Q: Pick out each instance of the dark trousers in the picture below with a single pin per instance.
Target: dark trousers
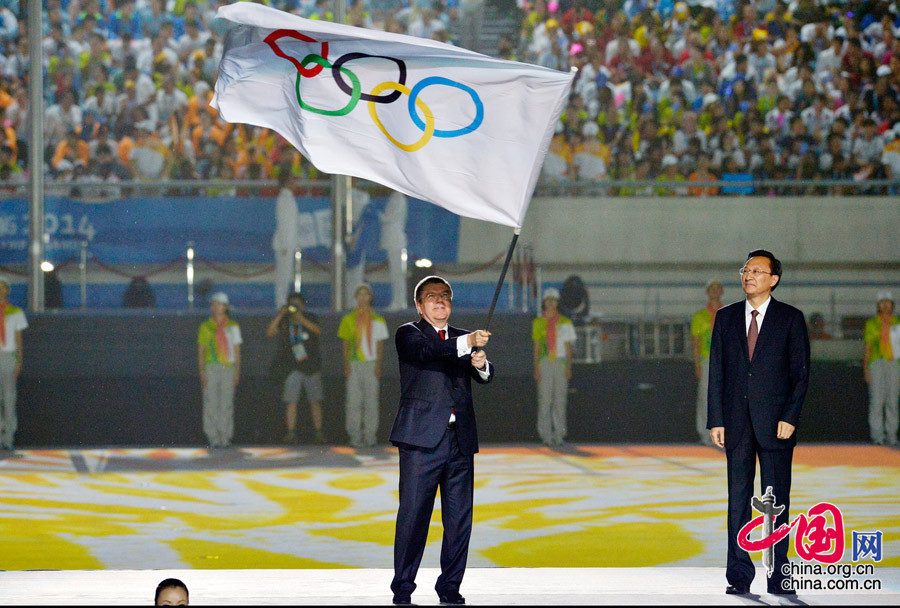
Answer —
(775, 471)
(422, 472)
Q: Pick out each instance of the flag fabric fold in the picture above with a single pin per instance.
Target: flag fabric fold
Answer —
(450, 126)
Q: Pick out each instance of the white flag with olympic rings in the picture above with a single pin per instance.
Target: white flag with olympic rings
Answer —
(450, 126)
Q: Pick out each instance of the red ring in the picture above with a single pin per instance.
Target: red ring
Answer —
(307, 73)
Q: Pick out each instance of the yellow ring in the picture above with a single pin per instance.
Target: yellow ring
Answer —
(429, 117)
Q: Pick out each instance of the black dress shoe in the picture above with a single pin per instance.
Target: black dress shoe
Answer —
(402, 600)
(782, 591)
(737, 590)
(452, 598)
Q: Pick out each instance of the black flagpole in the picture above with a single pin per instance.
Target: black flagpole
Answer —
(509, 255)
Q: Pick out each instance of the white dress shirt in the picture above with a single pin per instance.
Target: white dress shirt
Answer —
(759, 318)
(463, 349)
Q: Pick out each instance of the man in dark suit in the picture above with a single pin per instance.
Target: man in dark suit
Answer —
(435, 433)
(758, 376)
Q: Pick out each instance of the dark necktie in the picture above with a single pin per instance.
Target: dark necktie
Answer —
(753, 334)
(443, 334)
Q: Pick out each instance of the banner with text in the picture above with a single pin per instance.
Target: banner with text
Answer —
(223, 229)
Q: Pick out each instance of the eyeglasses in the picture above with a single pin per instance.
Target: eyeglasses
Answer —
(434, 297)
(754, 272)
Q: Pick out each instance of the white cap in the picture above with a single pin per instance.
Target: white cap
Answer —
(808, 32)
(883, 70)
(550, 292)
(885, 295)
(146, 125)
(365, 286)
(710, 98)
(590, 129)
(669, 159)
(219, 296)
(65, 165)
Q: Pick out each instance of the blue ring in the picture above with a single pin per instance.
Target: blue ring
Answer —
(413, 111)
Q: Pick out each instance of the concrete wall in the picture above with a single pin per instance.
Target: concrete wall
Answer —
(662, 230)
(651, 257)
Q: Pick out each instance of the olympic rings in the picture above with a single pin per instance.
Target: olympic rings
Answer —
(277, 34)
(394, 96)
(354, 94)
(354, 90)
(429, 117)
(414, 98)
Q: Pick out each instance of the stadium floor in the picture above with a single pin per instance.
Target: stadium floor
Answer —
(271, 509)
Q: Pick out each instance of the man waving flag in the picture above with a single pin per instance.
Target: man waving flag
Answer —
(459, 129)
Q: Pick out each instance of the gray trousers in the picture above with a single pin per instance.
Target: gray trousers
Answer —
(8, 420)
(362, 403)
(884, 393)
(702, 390)
(218, 404)
(552, 396)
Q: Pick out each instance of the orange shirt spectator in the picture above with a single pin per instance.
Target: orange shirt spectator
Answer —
(73, 149)
(703, 174)
(124, 151)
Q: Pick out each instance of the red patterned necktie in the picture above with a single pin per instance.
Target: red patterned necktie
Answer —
(753, 334)
(443, 334)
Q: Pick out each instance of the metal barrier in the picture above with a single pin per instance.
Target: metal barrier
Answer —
(632, 339)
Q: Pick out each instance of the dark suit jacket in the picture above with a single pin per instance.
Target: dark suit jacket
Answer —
(433, 381)
(759, 393)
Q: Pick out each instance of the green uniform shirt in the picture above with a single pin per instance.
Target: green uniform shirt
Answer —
(872, 336)
(701, 327)
(364, 349)
(565, 333)
(206, 336)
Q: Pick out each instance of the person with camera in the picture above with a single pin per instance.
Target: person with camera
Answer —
(297, 365)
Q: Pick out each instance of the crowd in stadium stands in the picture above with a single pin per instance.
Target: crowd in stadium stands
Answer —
(675, 93)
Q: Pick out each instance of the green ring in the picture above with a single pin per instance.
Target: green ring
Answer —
(354, 96)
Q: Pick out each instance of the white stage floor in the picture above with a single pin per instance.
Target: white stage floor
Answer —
(482, 586)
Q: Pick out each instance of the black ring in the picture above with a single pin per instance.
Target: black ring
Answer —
(339, 78)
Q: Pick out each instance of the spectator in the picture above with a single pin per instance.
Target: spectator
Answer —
(12, 323)
(71, 149)
(882, 370)
(553, 336)
(297, 365)
(171, 592)
(557, 163)
(362, 332)
(867, 148)
(151, 159)
(890, 156)
(669, 175)
(219, 359)
(61, 118)
(703, 174)
(591, 156)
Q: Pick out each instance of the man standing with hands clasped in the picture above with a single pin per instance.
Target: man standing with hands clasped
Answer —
(435, 433)
(758, 376)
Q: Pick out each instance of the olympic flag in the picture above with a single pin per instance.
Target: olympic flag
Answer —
(456, 128)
